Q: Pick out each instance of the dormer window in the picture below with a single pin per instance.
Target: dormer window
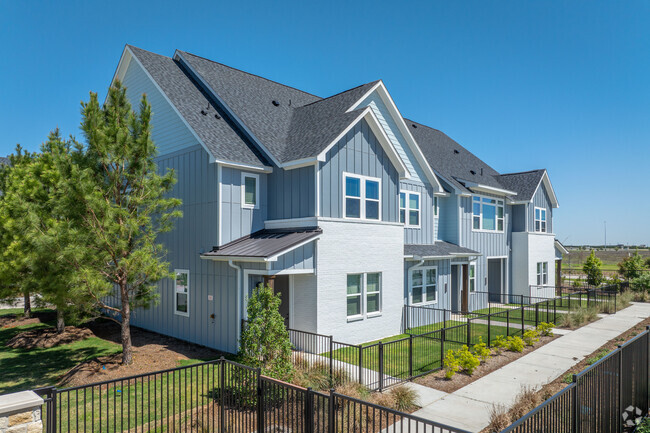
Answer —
(250, 191)
(361, 197)
(487, 214)
(540, 220)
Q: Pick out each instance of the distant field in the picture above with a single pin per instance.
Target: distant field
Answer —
(611, 258)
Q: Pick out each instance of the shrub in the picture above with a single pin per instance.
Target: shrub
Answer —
(546, 329)
(404, 397)
(354, 390)
(577, 283)
(530, 337)
(500, 343)
(450, 364)
(623, 300)
(467, 360)
(642, 283)
(481, 350)
(515, 344)
(499, 418)
(526, 400)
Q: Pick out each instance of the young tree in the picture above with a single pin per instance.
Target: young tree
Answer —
(593, 269)
(124, 205)
(647, 262)
(265, 340)
(631, 267)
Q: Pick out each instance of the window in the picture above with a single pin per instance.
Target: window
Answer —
(540, 219)
(363, 287)
(424, 285)
(435, 206)
(182, 292)
(472, 277)
(487, 214)
(362, 197)
(250, 191)
(542, 273)
(409, 208)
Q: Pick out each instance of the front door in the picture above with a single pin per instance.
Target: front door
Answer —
(465, 290)
(280, 284)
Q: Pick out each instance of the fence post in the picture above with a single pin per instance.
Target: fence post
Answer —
(575, 404)
(523, 313)
(442, 347)
(222, 393)
(615, 303)
(361, 364)
(508, 322)
(537, 314)
(260, 401)
(620, 384)
(54, 404)
(381, 365)
(554, 311)
(331, 358)
(489, 342)
(410, 356)
(309, 411)
(330, 412)
(647, 329)
(469, 332)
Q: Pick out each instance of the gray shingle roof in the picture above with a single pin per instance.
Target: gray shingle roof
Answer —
(223, 141)
(438, 249)
(451, 160)
(265, 243)
(524, 183)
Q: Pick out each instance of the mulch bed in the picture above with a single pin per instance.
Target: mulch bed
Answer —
(438, 381)
(48, 337)
(13, 320)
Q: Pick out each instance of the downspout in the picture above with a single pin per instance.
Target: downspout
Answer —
(239, 303)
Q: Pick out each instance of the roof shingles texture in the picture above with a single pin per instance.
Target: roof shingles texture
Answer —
(524, 184)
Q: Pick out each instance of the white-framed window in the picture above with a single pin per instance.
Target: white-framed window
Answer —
(361, 197)
(182, 292)
(409, 208)
(435, 206)
(487, 214)
(424, 285)
(363, 295)
(540, 219)
(250, 191)
(542, 273)
(472, 277)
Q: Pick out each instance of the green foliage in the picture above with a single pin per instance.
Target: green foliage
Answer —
(593, 269)
(500, 343)
(515, 344)
(631, 267)
(577, 283)
(642, 283)
(405, 398)
(265, 340)
(600, 355)
(467, 360)
(545, 329)
(530, 337)
(481, 350)
(644, 426)
(450, 364)
(615, 281)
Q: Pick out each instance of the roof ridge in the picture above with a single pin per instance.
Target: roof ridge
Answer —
(340, 93)
(523, 172)
(249, 73)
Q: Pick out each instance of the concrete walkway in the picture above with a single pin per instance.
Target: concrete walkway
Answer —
(469, 407)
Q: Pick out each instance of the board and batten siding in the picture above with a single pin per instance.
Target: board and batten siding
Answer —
(236, 220)
(358, 152)
(300, 258)
(212, 284)
(169, 132)
(519, 215)
(425, 234)
(444, 278)
(541, 199)
(293, 193)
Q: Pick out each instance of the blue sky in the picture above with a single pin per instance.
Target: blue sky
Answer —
(523, 84)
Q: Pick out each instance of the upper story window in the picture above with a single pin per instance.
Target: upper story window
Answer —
(362, 197)
(424, 285)
(250, 190)
(487, 214)
(182, 292)
(409, 208)
(540, 219)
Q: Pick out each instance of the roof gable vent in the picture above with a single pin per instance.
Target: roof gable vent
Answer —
(274, 102)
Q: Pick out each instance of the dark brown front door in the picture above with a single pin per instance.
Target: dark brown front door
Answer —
(280, 284)
(465, 284)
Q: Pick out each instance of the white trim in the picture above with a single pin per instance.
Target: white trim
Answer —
(243, 203)
(241, 166)
(225, 107)
(299, 163)
(406, 133)
(219, 207)
(408, 209)
(496, 214)
(291, 248)
(470, 265)
(545, 220)
(560, 247)
(313, 221)
(364, 296)
(189, 288)
(383, 139)
(168, 101)
(423, 269)
(486, 189)
(317, 187)
(362, 196)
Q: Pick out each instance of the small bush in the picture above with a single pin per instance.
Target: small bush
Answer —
(467, 360)
(500, 343)
(481, 350)
(499, 418)
(530, 337)
(623, 300)
(450, 364)
(526, 400)
(568, 378)
(600, 355)
(515, 344)
(354, 390)
(404, 397)
(545, 329)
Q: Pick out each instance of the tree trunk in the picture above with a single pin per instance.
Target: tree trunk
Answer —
(60, 321)
(28, 306)
(127, 350)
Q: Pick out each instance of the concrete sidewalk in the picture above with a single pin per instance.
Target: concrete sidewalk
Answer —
(469, 407)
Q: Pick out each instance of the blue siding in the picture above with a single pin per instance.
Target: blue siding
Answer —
(519, 216)
(447, 221)
(444, 278)
(541, 199)
(168, 130)
(358, 152)
(238, 221)
(424, 234)
(292, 192)
(300, 258)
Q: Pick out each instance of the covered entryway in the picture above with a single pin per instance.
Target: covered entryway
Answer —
(280, 284)
(459, 287)
(496, 278)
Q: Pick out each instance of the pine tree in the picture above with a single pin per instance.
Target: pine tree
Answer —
(593, 270)
(124, 205)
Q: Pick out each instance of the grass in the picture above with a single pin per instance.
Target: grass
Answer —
(600, 355)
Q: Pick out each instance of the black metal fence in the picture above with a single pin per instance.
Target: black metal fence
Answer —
(607, 397)
(217, 396)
